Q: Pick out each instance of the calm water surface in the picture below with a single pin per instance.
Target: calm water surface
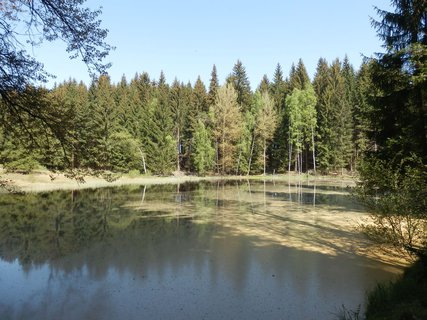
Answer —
(226, 250)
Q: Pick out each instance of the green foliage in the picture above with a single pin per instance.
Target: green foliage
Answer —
(345, 314)
(213, 87)
(25, 108)
(264, 85)
(364, 92)
(226, 123)
(242, 86)
(158, 144)
(265, 124)
(301, 114)
(204, 152)
(16, 154)
(397, 197)
(298, 78)
(334, 117)
(100, 127)
(278, 148)
(20, 162)
(246, 143)
(405, 298)
(102, 123)
(125, 152)
(399, 116)
(394, 174)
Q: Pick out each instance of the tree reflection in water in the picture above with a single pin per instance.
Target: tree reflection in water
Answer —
(251, 249)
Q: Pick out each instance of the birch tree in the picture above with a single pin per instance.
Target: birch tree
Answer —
(266, 122)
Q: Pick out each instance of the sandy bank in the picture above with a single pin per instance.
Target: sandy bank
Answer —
(40, 181)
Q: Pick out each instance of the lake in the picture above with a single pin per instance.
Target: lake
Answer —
(209, 250)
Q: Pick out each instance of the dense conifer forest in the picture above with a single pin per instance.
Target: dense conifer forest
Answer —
(288, 123)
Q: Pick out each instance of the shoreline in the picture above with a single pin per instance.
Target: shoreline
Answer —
(45, 181)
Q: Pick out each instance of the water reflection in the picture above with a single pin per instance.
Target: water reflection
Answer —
(211, 250)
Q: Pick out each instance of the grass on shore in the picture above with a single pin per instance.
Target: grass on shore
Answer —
(403, 299)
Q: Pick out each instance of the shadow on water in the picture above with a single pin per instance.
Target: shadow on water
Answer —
(210, 250)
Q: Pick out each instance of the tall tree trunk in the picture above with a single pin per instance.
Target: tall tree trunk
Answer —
(314, 151)
(289, 152)
(178, 138)
(238, 162)
(264, 154)
(143, 161)
(296, 161)
(251, 154)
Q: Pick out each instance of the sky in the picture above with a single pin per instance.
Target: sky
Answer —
(186, 38)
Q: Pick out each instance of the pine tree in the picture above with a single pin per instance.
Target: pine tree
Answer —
(321, 85)
(349, 76)
(122, 99)
(179, 108)
(394, 174)
(102, 122)
(241, 85)
(361, 111)
(278, 88)
(213, 87)
(264, 85)
(72, 100)
(278, 148)
(334, 117)
(162, 80)
(344, 101)
(158, 145)
(298, 77)
(399, 115)
(199, 99)
(145, 87)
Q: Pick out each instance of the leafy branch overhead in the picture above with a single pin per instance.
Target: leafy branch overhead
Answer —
(24, 22)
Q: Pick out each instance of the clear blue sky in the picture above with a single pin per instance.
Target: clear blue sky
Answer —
(185, 38)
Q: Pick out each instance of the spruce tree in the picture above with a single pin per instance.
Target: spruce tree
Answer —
(349, 76)
(321, 85)
(158, 145)
(361, 111)
(278, 88)
(102, 122)
(199, 99)
(334, 117)
(179, 109)
(400, 109)
(241, 85)
(298, 77)
(393, 175)
(213, 87)
(264, 85)
(278, 148)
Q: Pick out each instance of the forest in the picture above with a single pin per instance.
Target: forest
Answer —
(146, 125)
(370, 121)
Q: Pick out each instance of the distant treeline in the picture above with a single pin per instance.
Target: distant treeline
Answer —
(147, 125)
